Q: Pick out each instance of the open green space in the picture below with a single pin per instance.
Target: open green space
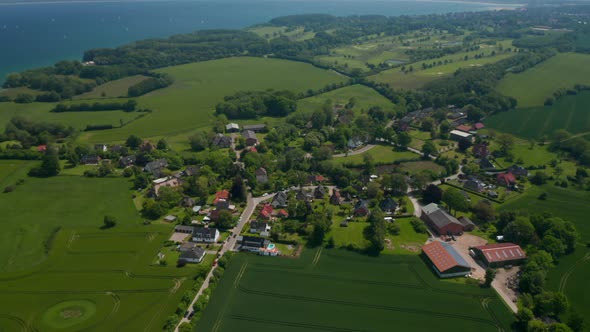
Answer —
(353, 234)
(381, 154)
(117, 88)
(534, 85)
(189, 103)
(338, 290)
(272, 32)
(569, 113)
(364, 97)
(68, 313)
(13, 170)
(408, 242)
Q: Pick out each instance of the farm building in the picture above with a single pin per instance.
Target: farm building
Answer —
(202, 234)
(232, 128)
(250, 137)
(457, 135)
(445, 260)
(184, 229)
(441, 222)
(500, 254)
(194, 255)
(257, 128)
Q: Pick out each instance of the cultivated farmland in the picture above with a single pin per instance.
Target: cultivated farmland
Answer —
(262, 294)
(534, 85)
(569, 113)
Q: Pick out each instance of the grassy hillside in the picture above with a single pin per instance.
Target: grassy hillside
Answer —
(533, 86)
(569, 112)
(261, 294)
(189, 103)
(365, 98)
(117, 88)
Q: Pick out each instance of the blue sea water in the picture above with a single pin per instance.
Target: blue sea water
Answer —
(39, 34)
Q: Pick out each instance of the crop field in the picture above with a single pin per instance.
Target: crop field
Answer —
(365, 98)
(381, 154)
(569, 113)
(270, 294)
(570, 276)
(13, 170)
(534, 85)
(419, 76)
(189, 103)
(79, 276)
(117, 88)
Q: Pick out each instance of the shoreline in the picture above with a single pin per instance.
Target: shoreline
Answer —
(494, 5)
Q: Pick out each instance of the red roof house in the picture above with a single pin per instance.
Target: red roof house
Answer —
(221, 195)
(266, 212)
(464, 128)
(500, 254)
(506, 179)
(283, 213)
(42, 148)
(445, 260)
(478, 126)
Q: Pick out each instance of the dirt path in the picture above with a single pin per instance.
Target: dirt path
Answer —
(501, 284)
(355, 152)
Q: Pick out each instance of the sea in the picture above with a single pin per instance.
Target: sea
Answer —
(35, 34)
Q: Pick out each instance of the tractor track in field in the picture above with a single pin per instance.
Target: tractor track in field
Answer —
(122, 291)
(17, 320)
(369, 306)
(317, 256)
(570, 271)
(485, 303)
(294, 324)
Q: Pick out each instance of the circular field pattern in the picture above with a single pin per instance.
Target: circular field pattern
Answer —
(68, 313)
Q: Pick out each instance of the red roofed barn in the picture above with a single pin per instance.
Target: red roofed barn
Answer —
(500, 254)
(445, 260)
(506, 179)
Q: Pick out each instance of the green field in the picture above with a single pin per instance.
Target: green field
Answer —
(272, 32)
(13, 170)
(365, 98)
(381, 154)
(117, 88)
(82, 277)
(337, 290)
(534, 85)
(350, 235)
(569, 113)
(189, 103)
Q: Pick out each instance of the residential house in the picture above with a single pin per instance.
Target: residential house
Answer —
(222, 141)
(250, 137)
(302, 195)
(283, 213)
(440, 221)
(457, 135)
(279, 200)
(355, 143)
(116, 148)
(184, 229)
(127, 161)
(251, 243)
(474, 185)
(194, 255)
(187, 202)
(261, 228)
(221, 195)
(42, 148)
(266, 212)
(222, 204)
(319, 192)
(445, 260)
(463, 128)
(388, 205)
(336, 198)
(90, 159)
(232, 128)
(187, 246)
(506, 179)
(205, 234)
(499, 254)
(100, 147)
(155, 167)
(147, 146)
(257, 128)
(481, 150)
(171, 182)
(478, 126)
(518, 170)
(315, 179)
(361, 208)
(261, 175)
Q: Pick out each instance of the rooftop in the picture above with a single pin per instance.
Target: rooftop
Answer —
(499, 252)
(444, 256)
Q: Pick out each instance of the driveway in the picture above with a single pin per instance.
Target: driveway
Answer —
(462, 245)
(355, 152)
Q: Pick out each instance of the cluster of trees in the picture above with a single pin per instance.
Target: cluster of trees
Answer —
(577, 147)
(250, 105)
(30, 133)
(128, 106)
(158, 81)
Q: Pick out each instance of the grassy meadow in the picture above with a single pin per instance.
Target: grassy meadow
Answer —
(112, 89)
(365, 98)
(534, 85)
(569, 113)
(381, 154)
(270, 294)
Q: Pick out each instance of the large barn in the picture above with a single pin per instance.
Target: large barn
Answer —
(500, 254)
(445, 260)
(441, 222)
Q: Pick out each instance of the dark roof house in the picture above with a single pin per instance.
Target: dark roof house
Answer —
(156, 166)
(127, 161)
(518, 170)
(280, 200)
(194, 255)
(90, 159)
(361, 208)
(336, 198)
(222, 141)
(261, 175)
(255, 127)
(440, 220)
(388, 205)
(250, 137)
(319, 192)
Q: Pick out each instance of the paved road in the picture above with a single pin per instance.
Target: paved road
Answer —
(355, 152)
(251, 204)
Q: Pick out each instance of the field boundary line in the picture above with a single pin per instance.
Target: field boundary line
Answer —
(570, 271)
(16, 319)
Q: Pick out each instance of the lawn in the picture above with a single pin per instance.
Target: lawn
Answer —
(408, 242)
(270, 294)
(382, 154)
(365, 98)
(82, 277)
(189, 103)
(534, 85)
(351, 235)
(117, 88)
(569, 113)
(414, 167)
(13, 170)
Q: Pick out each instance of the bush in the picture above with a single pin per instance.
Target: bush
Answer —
(543, 196)
(419, 226)
(9, 189)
